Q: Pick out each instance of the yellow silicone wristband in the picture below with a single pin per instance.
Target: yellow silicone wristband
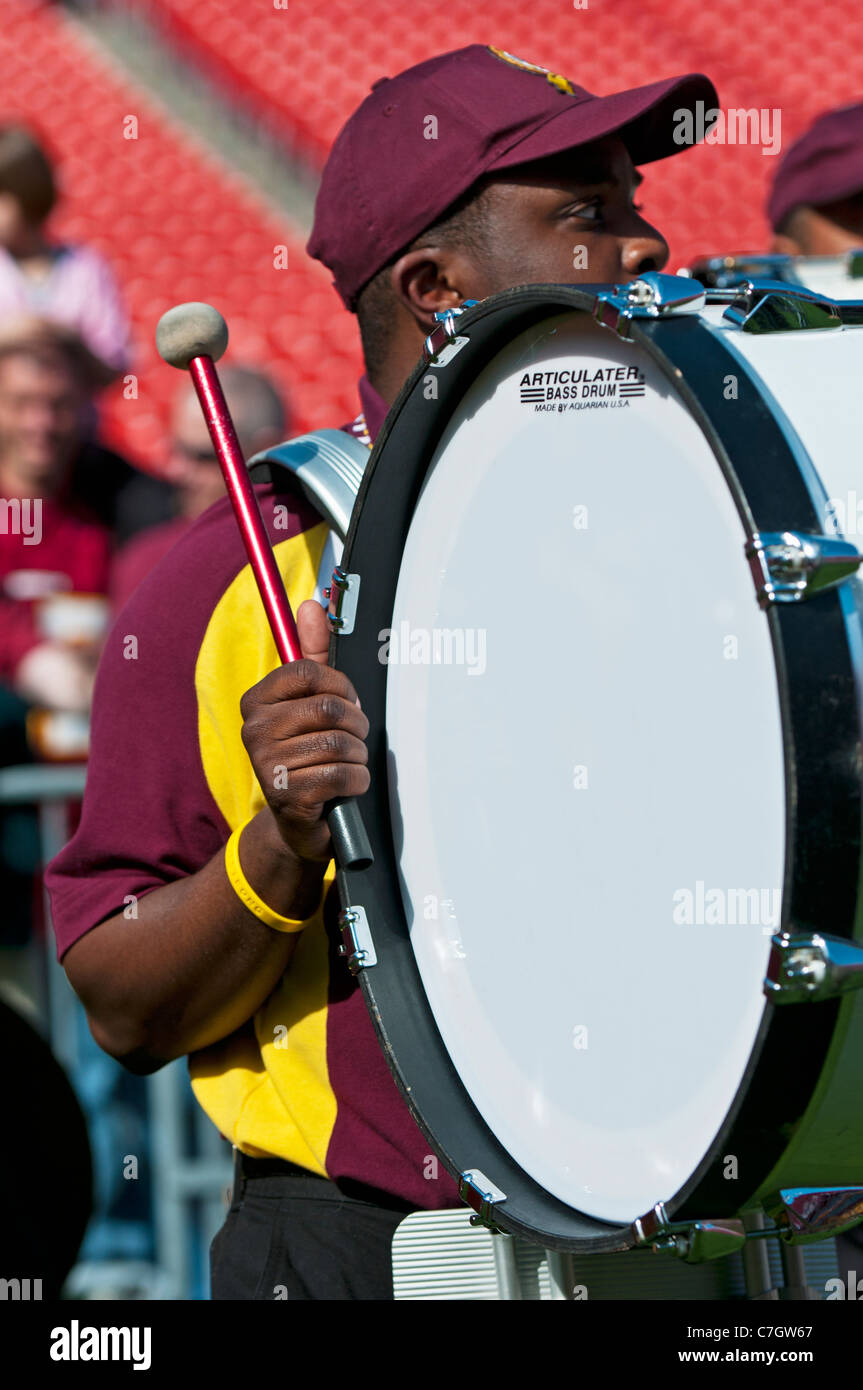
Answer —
(246, 893)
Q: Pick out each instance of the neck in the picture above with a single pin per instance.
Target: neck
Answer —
(394, 371)
(29, 243)
(17, 483)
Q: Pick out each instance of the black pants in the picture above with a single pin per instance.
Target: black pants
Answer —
(292, 1235)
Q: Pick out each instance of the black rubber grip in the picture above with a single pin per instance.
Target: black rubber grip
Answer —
(350, 841)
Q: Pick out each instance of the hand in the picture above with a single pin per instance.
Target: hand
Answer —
(304, 733)
(56, 677)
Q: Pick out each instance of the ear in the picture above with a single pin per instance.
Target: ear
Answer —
(428, 281)
(785, 245)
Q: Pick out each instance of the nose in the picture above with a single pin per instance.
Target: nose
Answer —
(645, 252)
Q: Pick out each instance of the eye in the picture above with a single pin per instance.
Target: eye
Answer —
(590, 211)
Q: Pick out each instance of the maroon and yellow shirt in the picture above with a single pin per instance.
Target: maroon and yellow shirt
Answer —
(168, 780)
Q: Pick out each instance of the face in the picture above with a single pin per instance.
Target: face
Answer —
(14, 226)
(40, 418)
(192, 464)
(568, 219)
(827, 230)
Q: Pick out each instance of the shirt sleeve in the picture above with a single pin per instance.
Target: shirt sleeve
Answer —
(101, 318)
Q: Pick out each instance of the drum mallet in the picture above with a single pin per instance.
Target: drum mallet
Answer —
(193, 337)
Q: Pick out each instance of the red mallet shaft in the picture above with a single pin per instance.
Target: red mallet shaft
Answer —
(193, 337)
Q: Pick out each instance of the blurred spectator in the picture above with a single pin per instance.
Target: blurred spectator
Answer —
(260, 420)
(53, 551)
(67, 294)
(70, 286)
(50, 543)
(815, 205)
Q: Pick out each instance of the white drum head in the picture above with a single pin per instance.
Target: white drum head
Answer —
(828, 275)
(587, 771)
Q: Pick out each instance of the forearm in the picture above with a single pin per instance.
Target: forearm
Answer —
(195, 963)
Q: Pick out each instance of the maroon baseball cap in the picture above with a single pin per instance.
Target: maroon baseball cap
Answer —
(824, 165)
(421, 139)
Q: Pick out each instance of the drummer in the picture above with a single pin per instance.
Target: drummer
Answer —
(815, 205)
(468, 174)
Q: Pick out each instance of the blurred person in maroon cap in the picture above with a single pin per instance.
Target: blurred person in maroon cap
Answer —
(815, 205)
(470, 173)
(260, 420)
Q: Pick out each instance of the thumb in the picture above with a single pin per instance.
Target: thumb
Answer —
(314, 631)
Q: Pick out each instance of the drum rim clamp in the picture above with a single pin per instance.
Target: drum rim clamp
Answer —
(482, 1196)
(788, 566)
(357, 947)
(342, 596)
(806, 967)
(443, 342)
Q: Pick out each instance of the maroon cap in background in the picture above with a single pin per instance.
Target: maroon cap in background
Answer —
(824, 165)
(421, 139)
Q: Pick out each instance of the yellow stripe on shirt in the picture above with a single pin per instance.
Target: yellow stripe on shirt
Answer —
(273, 1098)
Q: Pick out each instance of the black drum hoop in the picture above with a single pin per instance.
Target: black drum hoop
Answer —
(820, 700)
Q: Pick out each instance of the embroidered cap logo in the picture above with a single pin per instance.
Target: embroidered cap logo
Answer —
(555, 78)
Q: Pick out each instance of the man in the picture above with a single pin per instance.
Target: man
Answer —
(816, 201)
(50, 542)
(232, 956)
(260, 421)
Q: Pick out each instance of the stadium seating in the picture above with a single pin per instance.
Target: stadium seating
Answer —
(305, 66)
(175, 224)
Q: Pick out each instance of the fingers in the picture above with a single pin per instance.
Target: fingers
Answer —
(309, 788)
(314, 631)
(325, 746)
(297, 678)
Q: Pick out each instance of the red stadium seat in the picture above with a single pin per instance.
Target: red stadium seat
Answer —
(173, 222)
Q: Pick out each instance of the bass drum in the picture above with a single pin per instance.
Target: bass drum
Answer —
(608, 638)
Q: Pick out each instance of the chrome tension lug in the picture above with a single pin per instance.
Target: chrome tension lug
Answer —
(481, 1195)
(357, 947)
(692, 1241)
(788, 566)
(342, 596)
(652, 295)
(776, 306)
(803, 1214)
(808, 967)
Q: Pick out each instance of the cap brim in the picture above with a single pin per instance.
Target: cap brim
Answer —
(645, 118)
